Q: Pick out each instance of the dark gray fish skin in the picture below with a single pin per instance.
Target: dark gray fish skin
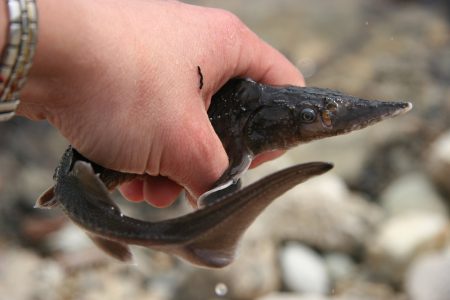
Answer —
(206, 237)
(249, 118)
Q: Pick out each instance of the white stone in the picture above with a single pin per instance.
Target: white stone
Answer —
(402, 238)
(441, 148)
(303, 270)
(412, 192)
(429, 278)
(438, 161)
(69, 239)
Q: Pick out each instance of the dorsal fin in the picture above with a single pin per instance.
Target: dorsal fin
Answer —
(117, 250)
(93, 186)
(47, 199)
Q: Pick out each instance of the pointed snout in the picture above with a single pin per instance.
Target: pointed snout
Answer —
(355, 114)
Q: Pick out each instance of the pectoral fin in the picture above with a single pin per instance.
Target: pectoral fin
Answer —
(211, 196)
(229, 181)
(117, 250)
(47, 199)
(98, 193)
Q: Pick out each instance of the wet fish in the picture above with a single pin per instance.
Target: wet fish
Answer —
(250, 118)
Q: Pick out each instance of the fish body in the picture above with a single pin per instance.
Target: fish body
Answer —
(250, 118)
(206, 237)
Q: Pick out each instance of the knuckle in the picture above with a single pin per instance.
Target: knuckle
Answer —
(229, 23)
(230, 19)
(230, 34)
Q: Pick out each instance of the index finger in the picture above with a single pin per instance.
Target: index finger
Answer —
(262, 62)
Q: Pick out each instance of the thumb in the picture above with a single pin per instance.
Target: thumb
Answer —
(195, 158)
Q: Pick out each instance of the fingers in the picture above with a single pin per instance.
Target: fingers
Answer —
(160, 191)
(157, 190)
(195, 158)
(133, 190)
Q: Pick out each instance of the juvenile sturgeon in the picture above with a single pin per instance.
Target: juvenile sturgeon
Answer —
(250, 118)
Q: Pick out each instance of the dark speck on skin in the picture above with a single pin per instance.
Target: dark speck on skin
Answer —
(199, 71)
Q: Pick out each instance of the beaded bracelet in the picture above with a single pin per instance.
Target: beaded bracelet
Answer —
(18, 54)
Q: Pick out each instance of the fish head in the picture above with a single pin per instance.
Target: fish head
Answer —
(324, 113)
(299, 115)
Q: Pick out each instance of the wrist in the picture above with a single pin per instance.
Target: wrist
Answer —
(62, 57)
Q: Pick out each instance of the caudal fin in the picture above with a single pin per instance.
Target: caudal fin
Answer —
(216, 247)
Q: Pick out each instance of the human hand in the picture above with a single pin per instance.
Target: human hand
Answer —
(119, 80)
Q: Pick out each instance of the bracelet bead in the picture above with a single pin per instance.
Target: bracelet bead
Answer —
(17, 55)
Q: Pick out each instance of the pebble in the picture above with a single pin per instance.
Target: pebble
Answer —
(340, 266)
(412, 192)
(438, 162)
(253, 273)
(360, 289)
(292, 296)
(31, 180)
(303, 270)
(255, 270)
(404, 237)
(69, 239)
(358, 57)
(428, 278)
(37, 278)
(322, 213)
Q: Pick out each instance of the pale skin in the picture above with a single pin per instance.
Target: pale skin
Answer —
(119, 80)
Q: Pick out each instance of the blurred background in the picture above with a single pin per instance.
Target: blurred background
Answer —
(375, 227)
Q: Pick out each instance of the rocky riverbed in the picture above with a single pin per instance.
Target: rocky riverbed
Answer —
(376, 227)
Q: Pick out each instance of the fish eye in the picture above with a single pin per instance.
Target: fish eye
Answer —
(308, 115)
